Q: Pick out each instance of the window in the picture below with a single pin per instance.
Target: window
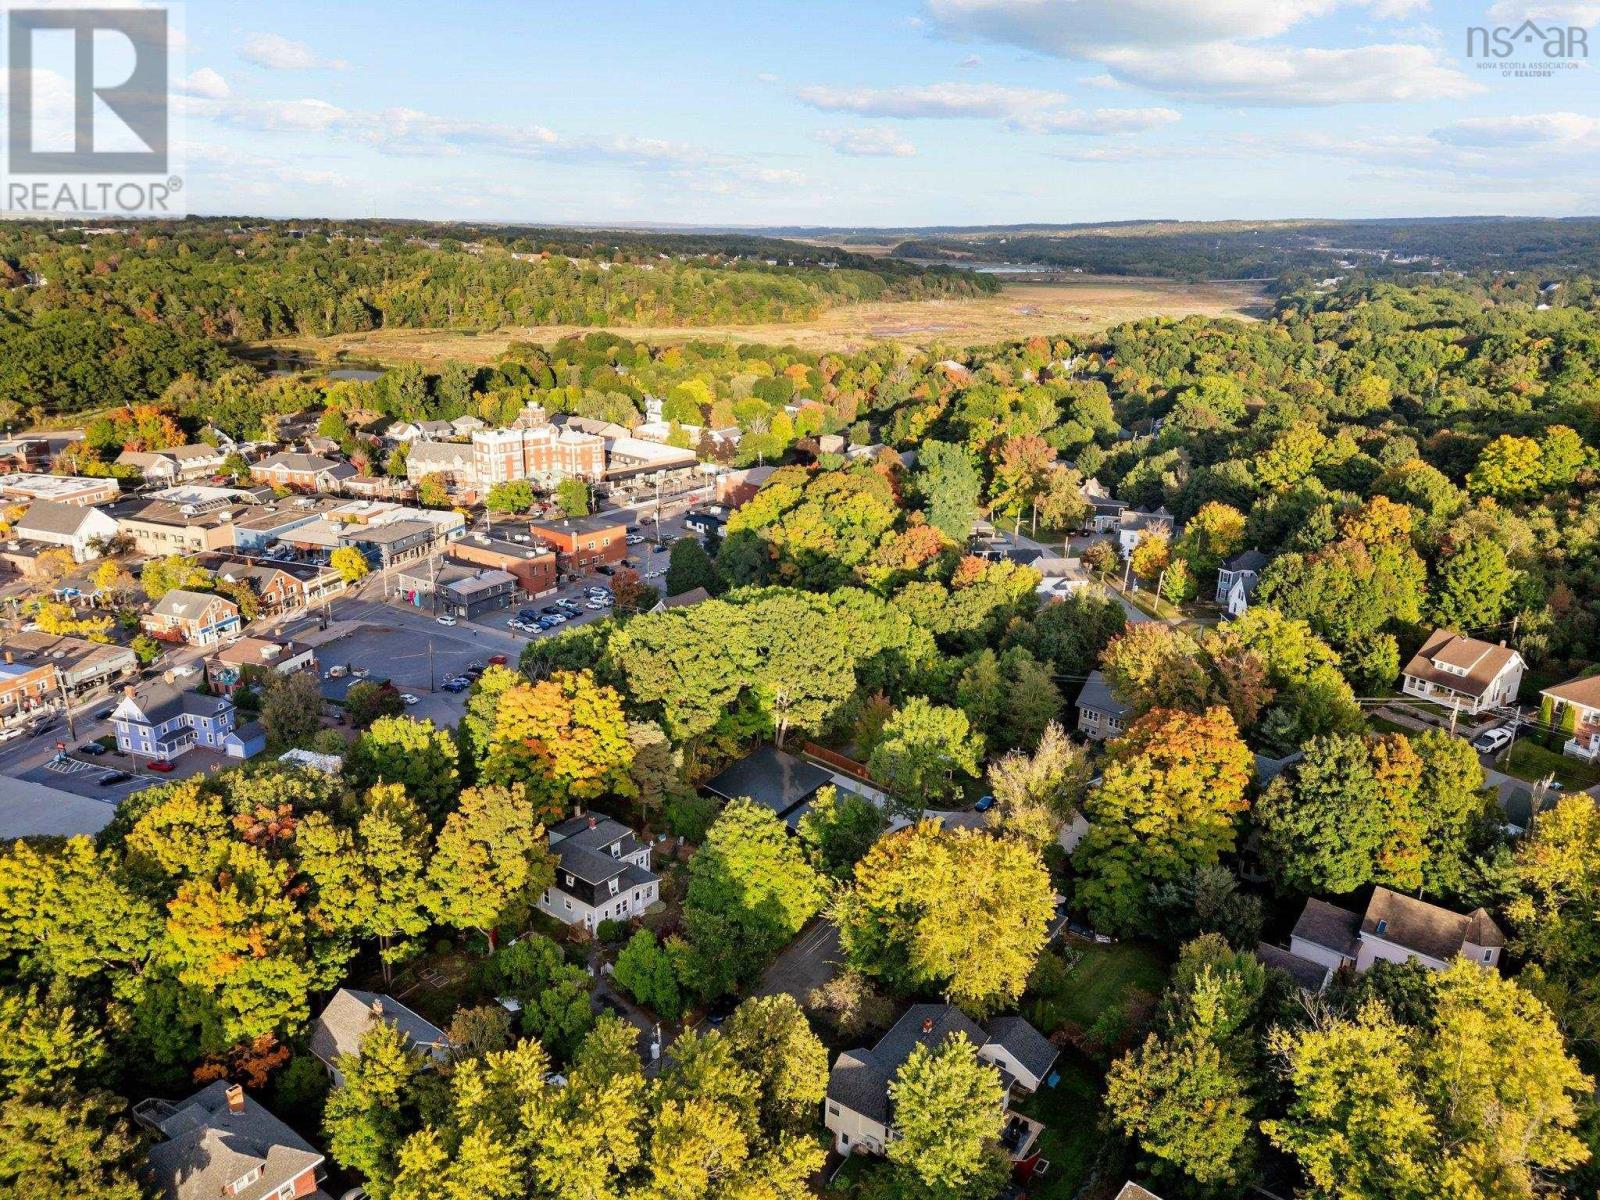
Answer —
(612, 885)
(1488, 956)
(286, 1192)
(1382, 925)
(833, 1110)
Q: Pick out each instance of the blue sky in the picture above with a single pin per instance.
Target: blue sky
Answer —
(879, 112)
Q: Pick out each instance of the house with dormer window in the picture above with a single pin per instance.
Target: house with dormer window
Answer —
(1463, 673)
(602, 873)
(167, 723)
(221, 1143)
(197, 618)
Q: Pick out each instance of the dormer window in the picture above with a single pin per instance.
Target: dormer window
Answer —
(245, 1180)
(613, 885)
(569, 881)
(1382, 926)
(616, 849)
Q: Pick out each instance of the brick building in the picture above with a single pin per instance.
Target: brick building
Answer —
(533, 566)
(585, 541)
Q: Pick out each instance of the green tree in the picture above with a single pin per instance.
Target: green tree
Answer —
(947, 1116)
(511, 496)
(374, 1108)
(647, 971)
(68, 1146)
(45, 1045)
(770, 1037)
(1035, 795)
(411, 753)
(572, 497)
(837, 830)
(925, 754)
(291, 709)
(1508, 467)
(1472, 586)
(912, 921)
(689, 567)
(750, 891)
(950, 485)
(489, 862)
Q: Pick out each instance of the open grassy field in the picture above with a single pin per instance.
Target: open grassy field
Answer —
(1017, 311)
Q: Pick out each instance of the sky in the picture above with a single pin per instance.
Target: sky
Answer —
(879, 112)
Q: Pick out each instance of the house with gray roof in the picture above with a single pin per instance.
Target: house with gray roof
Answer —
(1237, 579)
(602, 872)
(774, 780)
(1394, 928)
(165, 723)
(858, 1109)
(174, 464)
(71, 527)
(1100, 714)
(341, 1026)
(302, 472)
(197, 618)
(221, 1143)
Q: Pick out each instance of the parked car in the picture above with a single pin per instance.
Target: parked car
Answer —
(497, 660)
(634, 539)
(447, 619)
(95, 748)
(113, 777)
(184, 671)
(606, 569)
(549, 610)
(408, 699)
(337, 672)
(1492, 741)
(159, 764)
(12, 734)
(597, 605)
(984, 804)
(104, 714)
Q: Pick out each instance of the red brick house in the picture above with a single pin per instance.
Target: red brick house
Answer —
(532, 566)
(197, 618)
(585, 541)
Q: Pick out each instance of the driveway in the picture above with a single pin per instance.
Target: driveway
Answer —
(808, 962)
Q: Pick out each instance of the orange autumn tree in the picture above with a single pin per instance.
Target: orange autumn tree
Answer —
(564, 738)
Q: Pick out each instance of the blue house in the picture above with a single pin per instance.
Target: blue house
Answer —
(167, 722)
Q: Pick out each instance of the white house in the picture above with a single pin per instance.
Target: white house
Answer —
(340, 1028)
(78, 530)
(1135, 525)
(858, 1110)
(1237, 579)
(1463, 673)
(602, 873)
(1059, 577)
(1580, 697)
(1394, 928)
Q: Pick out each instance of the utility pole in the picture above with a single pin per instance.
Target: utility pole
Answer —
(430, 664)
(66, 704)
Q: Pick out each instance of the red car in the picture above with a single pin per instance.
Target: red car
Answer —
(160, 764)
(497, 660)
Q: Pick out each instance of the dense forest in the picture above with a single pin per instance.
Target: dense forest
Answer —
(112, 319)
(1268, 250)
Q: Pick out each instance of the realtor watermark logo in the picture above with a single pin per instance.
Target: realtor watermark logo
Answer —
(1529, 50)
(89, 112)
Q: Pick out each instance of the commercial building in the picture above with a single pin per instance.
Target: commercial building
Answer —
(63, 489)
(531, 564)
(582, 542)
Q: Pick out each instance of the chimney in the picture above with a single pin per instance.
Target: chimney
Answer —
(927, 1024)
(127, 690)
(594, 823)
(9, 658)
(235, 1095)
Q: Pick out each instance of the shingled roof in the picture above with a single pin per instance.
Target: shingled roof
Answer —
(1482, 662)
(209, 1147)
(351, 1013)
(1427, 929)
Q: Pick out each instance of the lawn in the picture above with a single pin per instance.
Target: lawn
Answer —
(1070, 1114)
(1107, 994)
(1104, 976)
(1532, 762)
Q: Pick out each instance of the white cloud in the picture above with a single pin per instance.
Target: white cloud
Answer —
(278, 53)
(1584, 13)
(1231, 73)
(1098, 121)
(1213, 51)
(1532, 129)
(206, 84)
(866, 143)
(1026, 110)
(933, 100)
(970, 61)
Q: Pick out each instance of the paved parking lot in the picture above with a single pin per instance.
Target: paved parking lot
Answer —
(81, 774)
